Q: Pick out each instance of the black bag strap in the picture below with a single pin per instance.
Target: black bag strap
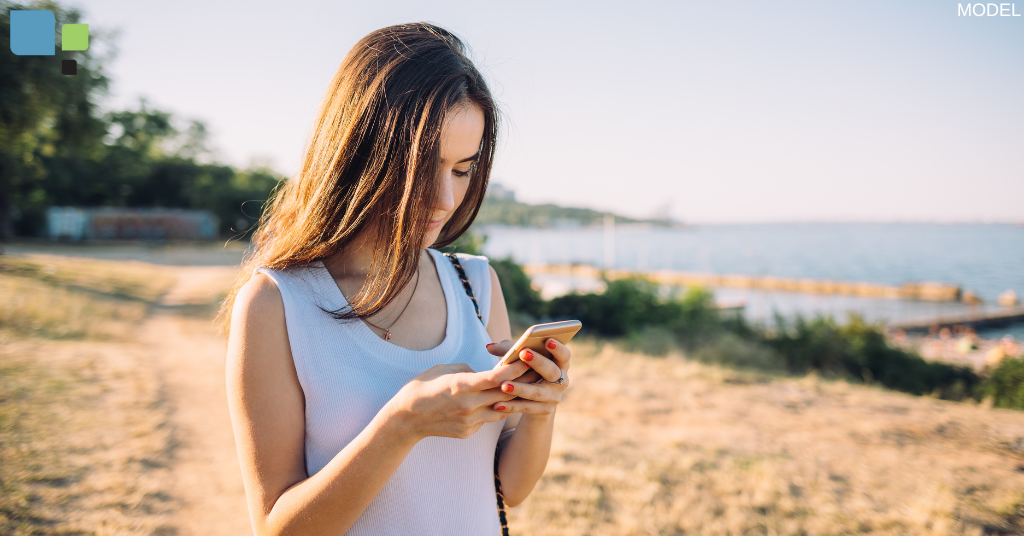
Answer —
(465, 283)
(497, 481)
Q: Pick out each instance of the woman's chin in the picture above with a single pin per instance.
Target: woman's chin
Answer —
(431, 237)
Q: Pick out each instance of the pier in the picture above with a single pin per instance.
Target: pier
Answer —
(927, 291)
(982, 318)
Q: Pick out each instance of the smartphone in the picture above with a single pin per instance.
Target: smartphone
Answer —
(534, 337)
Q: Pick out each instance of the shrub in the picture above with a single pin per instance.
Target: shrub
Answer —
(516, 287)
(627, 305)
(732, 350)
(860, 350)
(1005, 384)
(654, 341)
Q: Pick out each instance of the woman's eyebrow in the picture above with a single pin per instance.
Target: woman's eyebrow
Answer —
(469, 159)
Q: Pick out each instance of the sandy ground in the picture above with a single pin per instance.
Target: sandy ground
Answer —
(190, 356)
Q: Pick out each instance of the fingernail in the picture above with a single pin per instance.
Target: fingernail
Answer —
(489, 345)
(528, 356)
(508, 387)
(551, 345)
(500, 408)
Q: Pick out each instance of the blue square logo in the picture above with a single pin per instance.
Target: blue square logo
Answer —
(33, 32)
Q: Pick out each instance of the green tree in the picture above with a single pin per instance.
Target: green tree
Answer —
(49, 129)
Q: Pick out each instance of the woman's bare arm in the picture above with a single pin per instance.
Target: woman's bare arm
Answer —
(267, 409)
(268, 415)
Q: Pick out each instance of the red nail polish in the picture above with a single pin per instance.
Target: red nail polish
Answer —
(489, 345)
(528, 356)
(551, 345)
(508, 388)
(500, 408)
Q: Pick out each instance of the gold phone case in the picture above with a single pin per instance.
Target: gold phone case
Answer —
(534, 337)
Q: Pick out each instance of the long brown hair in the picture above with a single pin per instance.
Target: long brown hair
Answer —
(371, 163)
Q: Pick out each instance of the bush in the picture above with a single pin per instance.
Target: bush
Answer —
(654, 341)
(859, 350)
(732, 350)
(1005, 384)
(626, 305)
(516, 287)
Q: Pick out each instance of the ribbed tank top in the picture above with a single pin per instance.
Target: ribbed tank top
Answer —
(347, 372)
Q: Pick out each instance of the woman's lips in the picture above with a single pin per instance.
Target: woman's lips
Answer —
(434, 224)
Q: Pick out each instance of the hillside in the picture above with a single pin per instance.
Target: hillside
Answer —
(501, 208)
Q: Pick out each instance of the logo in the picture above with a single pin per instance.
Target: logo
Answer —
(33, 33)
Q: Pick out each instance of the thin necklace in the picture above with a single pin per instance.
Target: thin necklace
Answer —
(387, 330)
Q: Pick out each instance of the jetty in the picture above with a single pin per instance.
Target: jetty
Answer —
(927, 291)
(981, 318)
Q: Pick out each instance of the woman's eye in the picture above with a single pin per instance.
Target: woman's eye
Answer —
(461, 173)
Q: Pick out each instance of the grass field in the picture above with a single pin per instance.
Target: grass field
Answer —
(112, 421)
(85, 435)
(669, 446)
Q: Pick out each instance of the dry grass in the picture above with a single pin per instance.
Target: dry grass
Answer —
(85, 440)
(130, 280)
(57, 297)
(38, 308)
(669, 446)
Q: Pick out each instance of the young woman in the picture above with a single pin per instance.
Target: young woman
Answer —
(360, 376)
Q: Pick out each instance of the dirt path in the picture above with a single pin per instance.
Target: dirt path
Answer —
(190, 356)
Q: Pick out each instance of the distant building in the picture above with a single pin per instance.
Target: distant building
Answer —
(74, 223)
(499, 192)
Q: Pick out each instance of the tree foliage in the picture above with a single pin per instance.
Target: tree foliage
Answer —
(57, 147)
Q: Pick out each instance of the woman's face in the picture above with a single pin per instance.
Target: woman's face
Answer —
(460, 145)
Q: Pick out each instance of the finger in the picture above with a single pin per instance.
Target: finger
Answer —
(543, 365)
(525, 406)
(531, 376)
(559, 352)
(491, 397)
(453, 368)
(437, 371)
(540, 392)
(500, 348)
(490, 379)
(493, 415)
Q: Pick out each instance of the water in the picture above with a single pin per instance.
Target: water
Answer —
(984, 258)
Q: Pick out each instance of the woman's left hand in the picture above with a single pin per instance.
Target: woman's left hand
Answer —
(535, 396)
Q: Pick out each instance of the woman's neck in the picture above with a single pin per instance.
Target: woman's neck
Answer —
(355, 262)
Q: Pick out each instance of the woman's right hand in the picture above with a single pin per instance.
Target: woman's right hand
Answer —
(452, 400)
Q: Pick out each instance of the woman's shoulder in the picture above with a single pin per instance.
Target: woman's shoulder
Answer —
(259, 296)
(263, 293)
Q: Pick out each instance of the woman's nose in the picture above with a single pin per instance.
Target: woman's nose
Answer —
(446, 197)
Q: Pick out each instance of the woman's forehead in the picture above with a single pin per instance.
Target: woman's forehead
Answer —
(461, 134)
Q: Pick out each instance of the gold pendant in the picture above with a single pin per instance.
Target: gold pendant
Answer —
(387, 335)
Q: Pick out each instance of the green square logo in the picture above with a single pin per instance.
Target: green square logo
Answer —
(74, 37)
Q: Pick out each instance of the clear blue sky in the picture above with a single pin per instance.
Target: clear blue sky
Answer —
(721, 111)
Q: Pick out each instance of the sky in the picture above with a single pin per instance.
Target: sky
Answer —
(710, 112)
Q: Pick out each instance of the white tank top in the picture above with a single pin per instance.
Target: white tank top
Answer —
(347, 373)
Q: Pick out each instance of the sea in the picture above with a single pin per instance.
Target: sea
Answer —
(987, 259)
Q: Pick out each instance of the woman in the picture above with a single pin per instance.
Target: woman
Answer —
(360, 376)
